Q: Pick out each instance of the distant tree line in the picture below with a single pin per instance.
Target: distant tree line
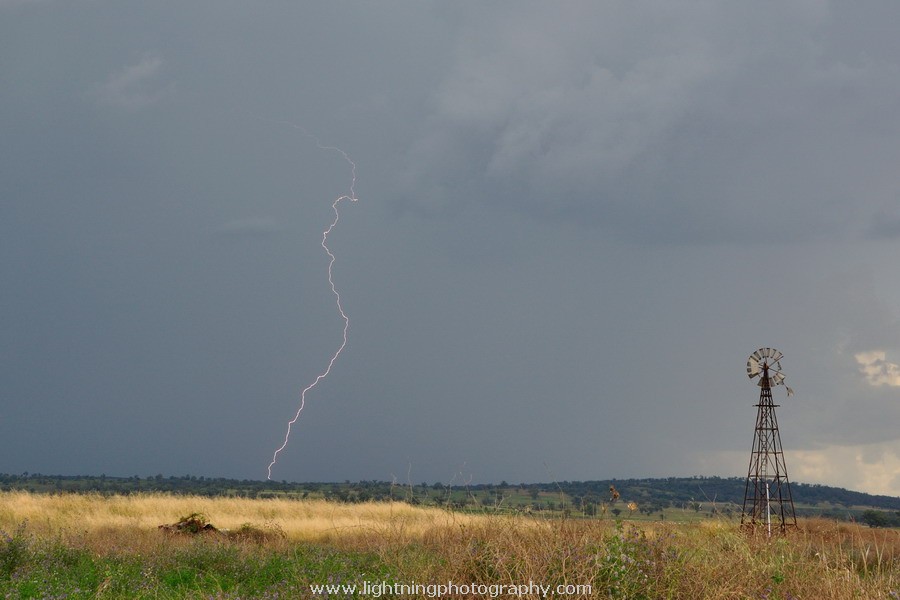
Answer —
(194, 485)
(711, 495)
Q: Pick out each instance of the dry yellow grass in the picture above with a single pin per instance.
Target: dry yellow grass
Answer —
(306, 520)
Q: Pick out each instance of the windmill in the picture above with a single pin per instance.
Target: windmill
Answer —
(767, 496)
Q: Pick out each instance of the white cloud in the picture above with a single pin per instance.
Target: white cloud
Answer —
(134, 87)
(877, 370)
(873, 468)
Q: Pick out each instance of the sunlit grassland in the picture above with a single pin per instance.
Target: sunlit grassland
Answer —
(91, 546)
(139, 514)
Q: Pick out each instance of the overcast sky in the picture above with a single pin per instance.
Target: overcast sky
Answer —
(575, 222)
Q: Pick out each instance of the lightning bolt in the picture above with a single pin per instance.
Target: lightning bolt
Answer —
(331, 258)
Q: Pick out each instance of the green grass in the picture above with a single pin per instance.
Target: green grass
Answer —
(204, 567)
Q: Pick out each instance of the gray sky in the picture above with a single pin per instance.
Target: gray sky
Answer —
(575, 222)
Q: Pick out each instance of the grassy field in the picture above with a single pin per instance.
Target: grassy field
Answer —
(91, 546)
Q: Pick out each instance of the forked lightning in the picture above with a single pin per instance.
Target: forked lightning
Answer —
(337, 215)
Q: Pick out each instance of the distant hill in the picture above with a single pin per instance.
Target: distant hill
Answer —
(724, 491)
(708, 494)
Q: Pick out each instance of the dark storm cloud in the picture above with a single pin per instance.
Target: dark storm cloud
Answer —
(695, 122)
(575, 222)
(255, 227)
(885, 225)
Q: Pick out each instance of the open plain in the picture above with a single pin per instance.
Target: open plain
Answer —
(94, 546)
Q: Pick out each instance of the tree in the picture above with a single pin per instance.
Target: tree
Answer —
(876, 518)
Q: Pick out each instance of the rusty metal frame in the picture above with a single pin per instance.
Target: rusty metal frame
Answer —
(767, 495)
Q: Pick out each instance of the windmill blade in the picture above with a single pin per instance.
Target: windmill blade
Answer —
(777, 356)
(790, 391)
(778, 379)
(752, 367)
(757, 355)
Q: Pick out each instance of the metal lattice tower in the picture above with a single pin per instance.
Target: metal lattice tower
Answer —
(767, 496)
